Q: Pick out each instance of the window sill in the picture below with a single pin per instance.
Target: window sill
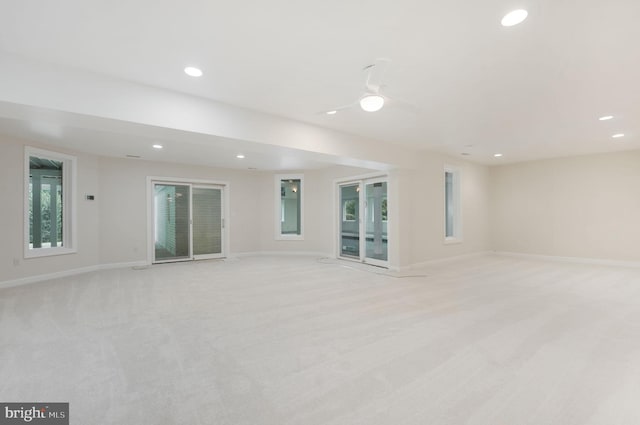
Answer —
(290, 238)
(452, 241)
(48, 252)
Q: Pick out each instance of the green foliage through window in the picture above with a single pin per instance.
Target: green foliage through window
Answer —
(350, 209)
(45, 202)
(384, 209)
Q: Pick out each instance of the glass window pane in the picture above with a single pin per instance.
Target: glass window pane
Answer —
(449, 207)
(45, 202)
(171, 221)
(452, 206)
(207, 221)
(290, 195)
(350, 221)
(376, 224)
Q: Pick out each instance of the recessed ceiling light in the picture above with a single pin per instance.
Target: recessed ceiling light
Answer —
(514, 18)
(606, 118)
(617, 136)
(332, 112)
(497, 155)
(157, 146)
(193, 71)
(372, 102)
(240, 156)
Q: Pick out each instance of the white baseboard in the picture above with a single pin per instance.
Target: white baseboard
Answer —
(140, 263)
(445, 260)
(66, 273)
(72, 272)
(576, 260)
(278, 254)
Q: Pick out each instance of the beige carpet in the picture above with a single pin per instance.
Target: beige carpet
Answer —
(269, 340)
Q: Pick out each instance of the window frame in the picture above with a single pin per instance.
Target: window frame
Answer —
(278, 207)
(456, 237)
(69, 201)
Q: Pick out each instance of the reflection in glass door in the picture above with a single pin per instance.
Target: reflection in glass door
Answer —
(207, 222)
(376, 221)
(171, 221)
(350, 220)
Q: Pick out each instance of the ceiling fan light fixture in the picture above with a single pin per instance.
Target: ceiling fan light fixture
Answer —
(192, 71)
(372, 102)
(514, 18)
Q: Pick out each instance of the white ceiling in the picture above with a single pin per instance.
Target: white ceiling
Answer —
(530, 91)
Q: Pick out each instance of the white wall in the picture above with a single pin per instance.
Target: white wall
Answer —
(13, 265)
(422, 210)
(586, 206)
(123, 191)
(252, 220)
(571, 207)
(319, 206)
(112, 229)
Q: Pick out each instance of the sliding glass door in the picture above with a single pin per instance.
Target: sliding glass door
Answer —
(350, 220)
(172, 216)
(207, 222)
(376, 221)
(363, 221)
(187, 222)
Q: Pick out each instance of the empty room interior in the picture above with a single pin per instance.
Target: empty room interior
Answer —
(330, 213)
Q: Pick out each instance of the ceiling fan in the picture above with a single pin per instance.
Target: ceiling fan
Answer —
(372, 99)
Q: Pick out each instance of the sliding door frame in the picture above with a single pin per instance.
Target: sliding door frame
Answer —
(189, 255)
(222, 253)
(223, 185)
(340, 221)
(363, 196)
(362, 181)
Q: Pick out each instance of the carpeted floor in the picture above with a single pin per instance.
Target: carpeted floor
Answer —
(274, 340)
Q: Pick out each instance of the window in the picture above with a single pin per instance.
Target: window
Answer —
(384, 210)
(289, 206)
(349, 209)
(453, 225)
(49, 224)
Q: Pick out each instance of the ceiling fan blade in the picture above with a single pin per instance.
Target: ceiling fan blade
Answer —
(375, 74)
(338, 109)
(398, 101)
(403, 104)
(373, 83)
